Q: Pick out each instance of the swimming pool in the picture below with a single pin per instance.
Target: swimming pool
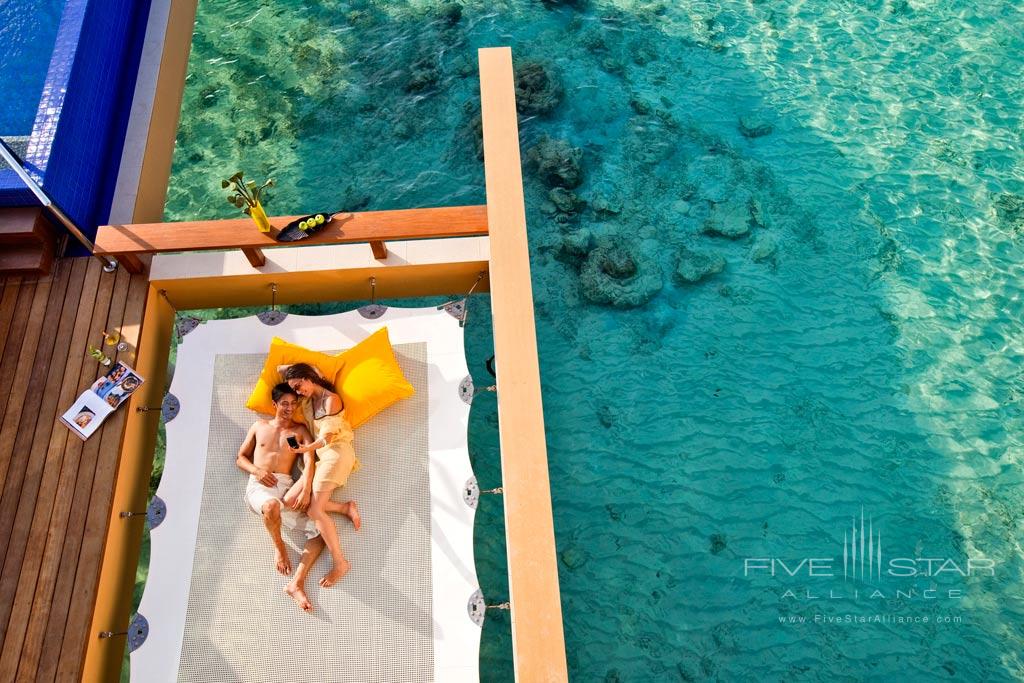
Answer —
(852, 172)
(75, 118)
(27, 32)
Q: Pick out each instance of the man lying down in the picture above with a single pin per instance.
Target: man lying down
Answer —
(268, 458)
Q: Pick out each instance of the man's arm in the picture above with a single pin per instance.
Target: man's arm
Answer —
(245, 458)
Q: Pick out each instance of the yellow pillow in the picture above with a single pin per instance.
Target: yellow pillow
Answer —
(286, 353)
(367, 376)
(371, 379)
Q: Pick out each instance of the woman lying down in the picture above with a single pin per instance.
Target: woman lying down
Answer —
(268, 455)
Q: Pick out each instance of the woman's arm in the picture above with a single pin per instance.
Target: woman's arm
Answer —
(306, 482)
(308, 461)
(308, 448)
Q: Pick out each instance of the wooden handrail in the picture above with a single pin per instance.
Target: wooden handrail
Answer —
(538, 643)
(128, 242)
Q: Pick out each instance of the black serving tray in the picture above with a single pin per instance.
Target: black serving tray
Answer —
(291, 232)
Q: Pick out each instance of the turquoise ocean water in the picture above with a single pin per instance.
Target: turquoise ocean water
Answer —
(854, 174)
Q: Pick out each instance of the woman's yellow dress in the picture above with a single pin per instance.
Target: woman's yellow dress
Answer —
(336, 460)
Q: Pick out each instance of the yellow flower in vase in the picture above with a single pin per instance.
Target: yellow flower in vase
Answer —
(246, 195)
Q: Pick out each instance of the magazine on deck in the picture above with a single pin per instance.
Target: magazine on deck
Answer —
(106, 394)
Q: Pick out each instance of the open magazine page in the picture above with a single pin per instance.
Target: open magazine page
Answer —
(117, 385)
(86, 415)
(102, 398)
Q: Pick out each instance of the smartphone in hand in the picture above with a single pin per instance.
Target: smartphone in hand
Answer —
(293, 442)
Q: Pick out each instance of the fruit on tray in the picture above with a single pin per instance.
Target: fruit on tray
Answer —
(304, 227)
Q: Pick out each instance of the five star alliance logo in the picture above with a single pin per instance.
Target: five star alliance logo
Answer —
(854, 551)
(863, 560)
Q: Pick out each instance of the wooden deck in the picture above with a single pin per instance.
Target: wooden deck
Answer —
(55, 490)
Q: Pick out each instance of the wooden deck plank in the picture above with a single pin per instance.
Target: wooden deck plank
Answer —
(22, 317)
(366, 226)
(44, 499)
(18, 504)
(71, 475)
(98, 510)
(8, 300)
(47, 302)
(106, 439)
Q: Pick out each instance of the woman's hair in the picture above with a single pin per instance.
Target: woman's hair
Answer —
(306, 371)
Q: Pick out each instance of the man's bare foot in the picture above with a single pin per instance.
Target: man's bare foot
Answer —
(353, 514)
(283, 565)
(335, 575)
(299, 596)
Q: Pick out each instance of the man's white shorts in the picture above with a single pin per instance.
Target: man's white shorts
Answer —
(257, 496)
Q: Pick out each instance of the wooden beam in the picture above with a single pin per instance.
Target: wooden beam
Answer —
(256, 257)
(538, 644)
(439, 267)
(219, 291)
(132, 263)
(367, 226)
(105, 604)
(166, 109)
(380, 251)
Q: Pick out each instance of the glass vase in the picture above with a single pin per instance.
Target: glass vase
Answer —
(259, 217)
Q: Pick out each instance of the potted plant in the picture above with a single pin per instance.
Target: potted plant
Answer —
(246, 196)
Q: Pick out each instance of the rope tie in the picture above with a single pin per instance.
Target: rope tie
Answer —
(465, 312)
(479, 277)
(182, 324)
(163, 293)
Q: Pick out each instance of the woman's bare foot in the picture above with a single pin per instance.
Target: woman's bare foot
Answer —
(335, 575)
(353, 514)
(299, 596)
(281, 559)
